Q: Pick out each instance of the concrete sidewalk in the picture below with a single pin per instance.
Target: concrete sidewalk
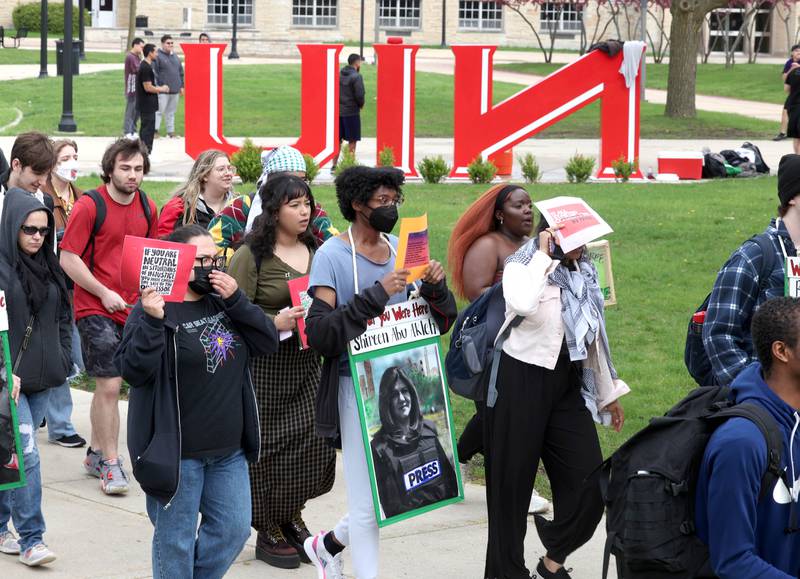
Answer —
(97, 536)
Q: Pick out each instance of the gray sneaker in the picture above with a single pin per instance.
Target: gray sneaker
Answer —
(113, 479)
(92, 463)
(37, 555)
(9, 544)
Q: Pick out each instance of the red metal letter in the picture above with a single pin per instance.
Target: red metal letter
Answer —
(483, 129)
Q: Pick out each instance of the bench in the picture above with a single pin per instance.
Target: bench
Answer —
(21, 33)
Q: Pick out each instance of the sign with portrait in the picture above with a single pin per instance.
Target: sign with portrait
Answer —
(600, 255)
(406, 419)
(12, 470)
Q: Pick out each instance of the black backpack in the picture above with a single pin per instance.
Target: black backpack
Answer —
(714, 166)
(694, 355)
(649, 486)
(761, 166)
(474, 354)
(100, 217)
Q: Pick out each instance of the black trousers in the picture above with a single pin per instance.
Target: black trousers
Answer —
(148, 129)
(471, 441)
(539, 413)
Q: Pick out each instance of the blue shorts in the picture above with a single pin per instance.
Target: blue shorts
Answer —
(350, 128)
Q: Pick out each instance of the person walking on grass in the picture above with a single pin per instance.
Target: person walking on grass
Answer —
(132, 61)
(351, 101)
(168, 69)
(206, 192)
(40, 344)
(278, 249)
(792, 63)
(193, 417)
(60, 187)
(91, 254)
(147, 94)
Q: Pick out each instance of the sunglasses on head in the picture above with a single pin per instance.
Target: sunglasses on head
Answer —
(31, 230)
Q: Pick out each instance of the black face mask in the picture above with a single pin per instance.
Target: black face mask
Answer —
(201, 284)
(384, 218)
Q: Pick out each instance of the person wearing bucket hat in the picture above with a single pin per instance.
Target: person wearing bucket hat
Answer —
(743, 283)
(230, 226)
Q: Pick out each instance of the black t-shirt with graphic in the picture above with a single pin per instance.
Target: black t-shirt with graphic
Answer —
(147, 102)
(212, 366)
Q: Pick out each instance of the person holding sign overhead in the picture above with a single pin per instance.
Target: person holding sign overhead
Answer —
(193, 417)
(353, 279)
(555, 373)
(40, 334)
(278, 249)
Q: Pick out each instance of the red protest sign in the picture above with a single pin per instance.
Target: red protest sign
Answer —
(162, 265)
(298, 290)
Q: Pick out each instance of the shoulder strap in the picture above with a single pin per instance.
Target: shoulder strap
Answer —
(99, 218)
(148, 213)
(761, 417)
(767, 248)
(491, 395)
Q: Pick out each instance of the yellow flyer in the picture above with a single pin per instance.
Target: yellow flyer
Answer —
(413, 251)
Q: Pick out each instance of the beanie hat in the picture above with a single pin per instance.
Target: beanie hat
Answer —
(788, 178)
(280, 160)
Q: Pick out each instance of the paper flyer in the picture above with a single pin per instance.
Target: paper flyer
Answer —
(413, 250)
(162, 265)
(298, 290)
(580, 223)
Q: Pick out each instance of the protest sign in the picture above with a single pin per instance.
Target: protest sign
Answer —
(162, 265)
(12, 468)
(413, 251)
(580, 223)
(405, 413)
(791, 277)
(298, 290)
(599, 253)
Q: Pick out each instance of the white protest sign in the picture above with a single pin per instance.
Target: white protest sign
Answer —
(158, 270)
(580, 224)
(399, 324)
(3, 312)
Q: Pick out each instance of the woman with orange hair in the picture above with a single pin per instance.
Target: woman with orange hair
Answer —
(496, 225)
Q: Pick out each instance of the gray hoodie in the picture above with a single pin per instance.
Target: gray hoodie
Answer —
(168, 70)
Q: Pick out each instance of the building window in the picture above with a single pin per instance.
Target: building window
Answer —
(480, 15)
(726, 32)
(399, 14)
(560, 17)
(320, 13)
(219, 12)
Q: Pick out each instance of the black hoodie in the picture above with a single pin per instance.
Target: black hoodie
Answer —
(47, 360)
(351, 91)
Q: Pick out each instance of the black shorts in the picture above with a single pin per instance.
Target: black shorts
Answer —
(100, 337)
(350, 128)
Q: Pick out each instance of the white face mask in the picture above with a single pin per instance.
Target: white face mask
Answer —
(68, 170)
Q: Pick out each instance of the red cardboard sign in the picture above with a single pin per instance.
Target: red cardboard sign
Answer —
(298, 289)
(162, 265)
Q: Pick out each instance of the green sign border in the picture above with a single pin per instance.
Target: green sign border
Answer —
(362, 415)
(14, 420)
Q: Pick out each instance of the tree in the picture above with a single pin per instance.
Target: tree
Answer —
(684, 38)
(131, 23)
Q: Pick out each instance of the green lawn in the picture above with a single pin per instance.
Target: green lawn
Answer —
(755, 82)
(668, 244)
(20, 56)
(264, 100)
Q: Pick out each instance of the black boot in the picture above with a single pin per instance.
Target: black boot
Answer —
(273, 549)
(296, 534)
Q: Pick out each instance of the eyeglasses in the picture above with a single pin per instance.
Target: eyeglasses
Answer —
(31, 230)
(224, 169)
(208, 263)
(385, 200)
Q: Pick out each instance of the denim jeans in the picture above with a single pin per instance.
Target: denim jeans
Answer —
(23, 506)
(59, 411)
(217, 489)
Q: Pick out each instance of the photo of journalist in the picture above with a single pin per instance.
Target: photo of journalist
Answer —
(412, 469)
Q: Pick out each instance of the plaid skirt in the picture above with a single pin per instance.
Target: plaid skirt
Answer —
(295, 464)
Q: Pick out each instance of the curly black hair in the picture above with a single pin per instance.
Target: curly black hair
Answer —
(359, 183)
(274, 193)
(777, 320)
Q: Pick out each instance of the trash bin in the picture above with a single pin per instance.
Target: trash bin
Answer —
(76, 57)
(141, 22)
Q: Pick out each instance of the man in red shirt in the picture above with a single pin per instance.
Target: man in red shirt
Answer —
(93, 262)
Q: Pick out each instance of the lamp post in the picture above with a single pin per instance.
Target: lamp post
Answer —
(361, 41)
(234, 54)
(444, 23)
(67, 122)
(43, 40)
(81, 27)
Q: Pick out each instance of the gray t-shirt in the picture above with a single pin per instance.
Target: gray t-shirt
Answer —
(333, 267)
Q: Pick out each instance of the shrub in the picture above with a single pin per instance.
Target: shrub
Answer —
(247, 161)
(386, 157)
(579, 168)
(623, 169)
(481, 171)
(312, 168)
(530, 168)
(433, 169)
(347, 159)
(27, 16)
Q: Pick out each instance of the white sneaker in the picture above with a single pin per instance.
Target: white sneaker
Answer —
(9, 544)
(539, 504)
(328, 566)
(37, 555)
